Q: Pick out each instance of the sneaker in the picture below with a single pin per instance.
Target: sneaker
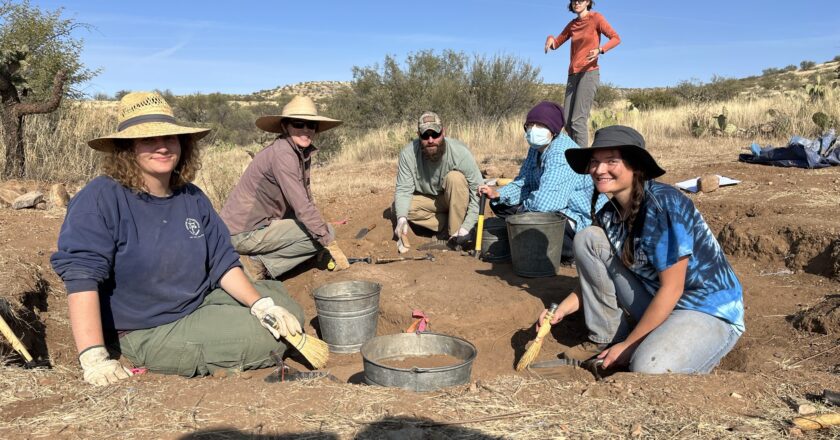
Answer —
(584, 351)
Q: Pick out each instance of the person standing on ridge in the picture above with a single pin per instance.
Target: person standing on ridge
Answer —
(584, 75)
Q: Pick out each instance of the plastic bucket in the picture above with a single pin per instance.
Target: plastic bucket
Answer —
(347, 314)
(536, 243)
(494, 240)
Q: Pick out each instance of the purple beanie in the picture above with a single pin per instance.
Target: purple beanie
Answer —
(549, 114)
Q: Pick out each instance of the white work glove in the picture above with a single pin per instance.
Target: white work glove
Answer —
(279, 321)
(100, 369)
(462, 232)
(402, 227)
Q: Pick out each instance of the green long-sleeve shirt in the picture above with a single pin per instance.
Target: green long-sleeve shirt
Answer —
(416, 175)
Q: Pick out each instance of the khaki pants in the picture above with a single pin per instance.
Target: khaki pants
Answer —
(447, 209)
(220, 334)
(280, 246)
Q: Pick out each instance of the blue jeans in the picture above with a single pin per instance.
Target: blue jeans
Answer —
(614, 300)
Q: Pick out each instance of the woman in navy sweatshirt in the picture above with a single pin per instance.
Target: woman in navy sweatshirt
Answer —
(148, 265)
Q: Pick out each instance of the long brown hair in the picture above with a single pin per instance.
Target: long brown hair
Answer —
(633, 222)
(121, 165)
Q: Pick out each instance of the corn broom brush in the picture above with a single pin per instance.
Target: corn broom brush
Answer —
(535, 347)
(316, 351)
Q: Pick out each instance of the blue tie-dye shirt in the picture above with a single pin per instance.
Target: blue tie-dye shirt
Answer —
(674, 229)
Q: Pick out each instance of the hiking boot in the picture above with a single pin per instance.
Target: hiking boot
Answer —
(253, 268)
(584, 351)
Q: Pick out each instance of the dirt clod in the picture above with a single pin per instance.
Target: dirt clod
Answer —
(824, 317)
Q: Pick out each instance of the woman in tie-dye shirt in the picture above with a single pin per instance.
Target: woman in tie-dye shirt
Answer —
(657, 291)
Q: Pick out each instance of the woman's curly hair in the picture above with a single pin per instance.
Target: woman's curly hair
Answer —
(121, 165)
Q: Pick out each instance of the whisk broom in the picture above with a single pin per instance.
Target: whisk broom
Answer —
(535, 347)
(316, 351)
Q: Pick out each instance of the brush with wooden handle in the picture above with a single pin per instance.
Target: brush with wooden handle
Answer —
(534, 349)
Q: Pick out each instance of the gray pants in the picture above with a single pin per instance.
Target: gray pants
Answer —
(280, 246)
(220, 334)
(614, 300)
(580, 94)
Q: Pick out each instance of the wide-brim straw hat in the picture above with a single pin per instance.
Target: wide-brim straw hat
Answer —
(300, 107)
(145, 115)
(627, 140)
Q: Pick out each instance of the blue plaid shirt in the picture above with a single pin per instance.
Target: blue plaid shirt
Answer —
(546, 183)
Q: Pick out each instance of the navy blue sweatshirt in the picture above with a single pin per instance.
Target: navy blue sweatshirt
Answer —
(151, 259)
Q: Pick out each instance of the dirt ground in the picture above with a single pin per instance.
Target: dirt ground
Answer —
(779, 227)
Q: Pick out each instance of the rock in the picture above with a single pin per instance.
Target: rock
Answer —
(736, 396)
(795, 432)
(28, 200)
(8, 196)
(58, 196)
(42, 205)
(708, 183)
(636, 431)
(806, 409)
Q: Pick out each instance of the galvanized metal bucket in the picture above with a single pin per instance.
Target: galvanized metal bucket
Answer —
(494, 242)
(347, 313)
(417, 344)
(536, 243)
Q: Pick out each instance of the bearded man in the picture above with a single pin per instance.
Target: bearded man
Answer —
(437, 183)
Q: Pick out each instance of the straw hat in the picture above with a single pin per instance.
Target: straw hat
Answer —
(300, 107)
(144, 115)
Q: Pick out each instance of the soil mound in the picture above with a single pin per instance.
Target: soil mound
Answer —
(823, 318)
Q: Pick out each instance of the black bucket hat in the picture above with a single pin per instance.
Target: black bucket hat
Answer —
(626, 140)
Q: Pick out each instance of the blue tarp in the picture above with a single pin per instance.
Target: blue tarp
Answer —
(800, 152)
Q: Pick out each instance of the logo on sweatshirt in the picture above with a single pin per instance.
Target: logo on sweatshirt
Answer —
(193, 227)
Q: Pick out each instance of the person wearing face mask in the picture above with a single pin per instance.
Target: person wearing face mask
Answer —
(437, 180)
(271, 214)
(545, 182)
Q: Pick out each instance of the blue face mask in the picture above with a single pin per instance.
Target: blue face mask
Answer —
(538, 137)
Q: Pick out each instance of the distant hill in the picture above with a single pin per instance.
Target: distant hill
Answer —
(771, 82)
(317, 90)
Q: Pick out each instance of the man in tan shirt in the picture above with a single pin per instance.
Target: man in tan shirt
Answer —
(270, 213)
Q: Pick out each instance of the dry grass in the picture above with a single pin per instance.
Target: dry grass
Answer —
(56, 148)
(626, 406)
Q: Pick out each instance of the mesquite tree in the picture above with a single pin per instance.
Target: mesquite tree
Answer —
(39, 64)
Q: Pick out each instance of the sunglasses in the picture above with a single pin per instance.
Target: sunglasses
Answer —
(430, 134)
(579, 1)
(312, 125)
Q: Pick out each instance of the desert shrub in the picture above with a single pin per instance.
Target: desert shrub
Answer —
(653, 99)
(790, 68)
(231, 121)
(455, 85)
(553, 92)
(605, 95)
(836, 58)
(805, 65)
(771, 71)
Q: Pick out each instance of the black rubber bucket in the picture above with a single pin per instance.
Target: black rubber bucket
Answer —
(536, 243)
(494, 241)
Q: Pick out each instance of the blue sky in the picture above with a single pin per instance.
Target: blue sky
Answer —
(245, 46)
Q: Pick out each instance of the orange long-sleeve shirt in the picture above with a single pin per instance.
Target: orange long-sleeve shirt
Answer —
(585, 34)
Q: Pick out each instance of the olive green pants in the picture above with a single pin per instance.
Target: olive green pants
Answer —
(220, 334)
(280, 246)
